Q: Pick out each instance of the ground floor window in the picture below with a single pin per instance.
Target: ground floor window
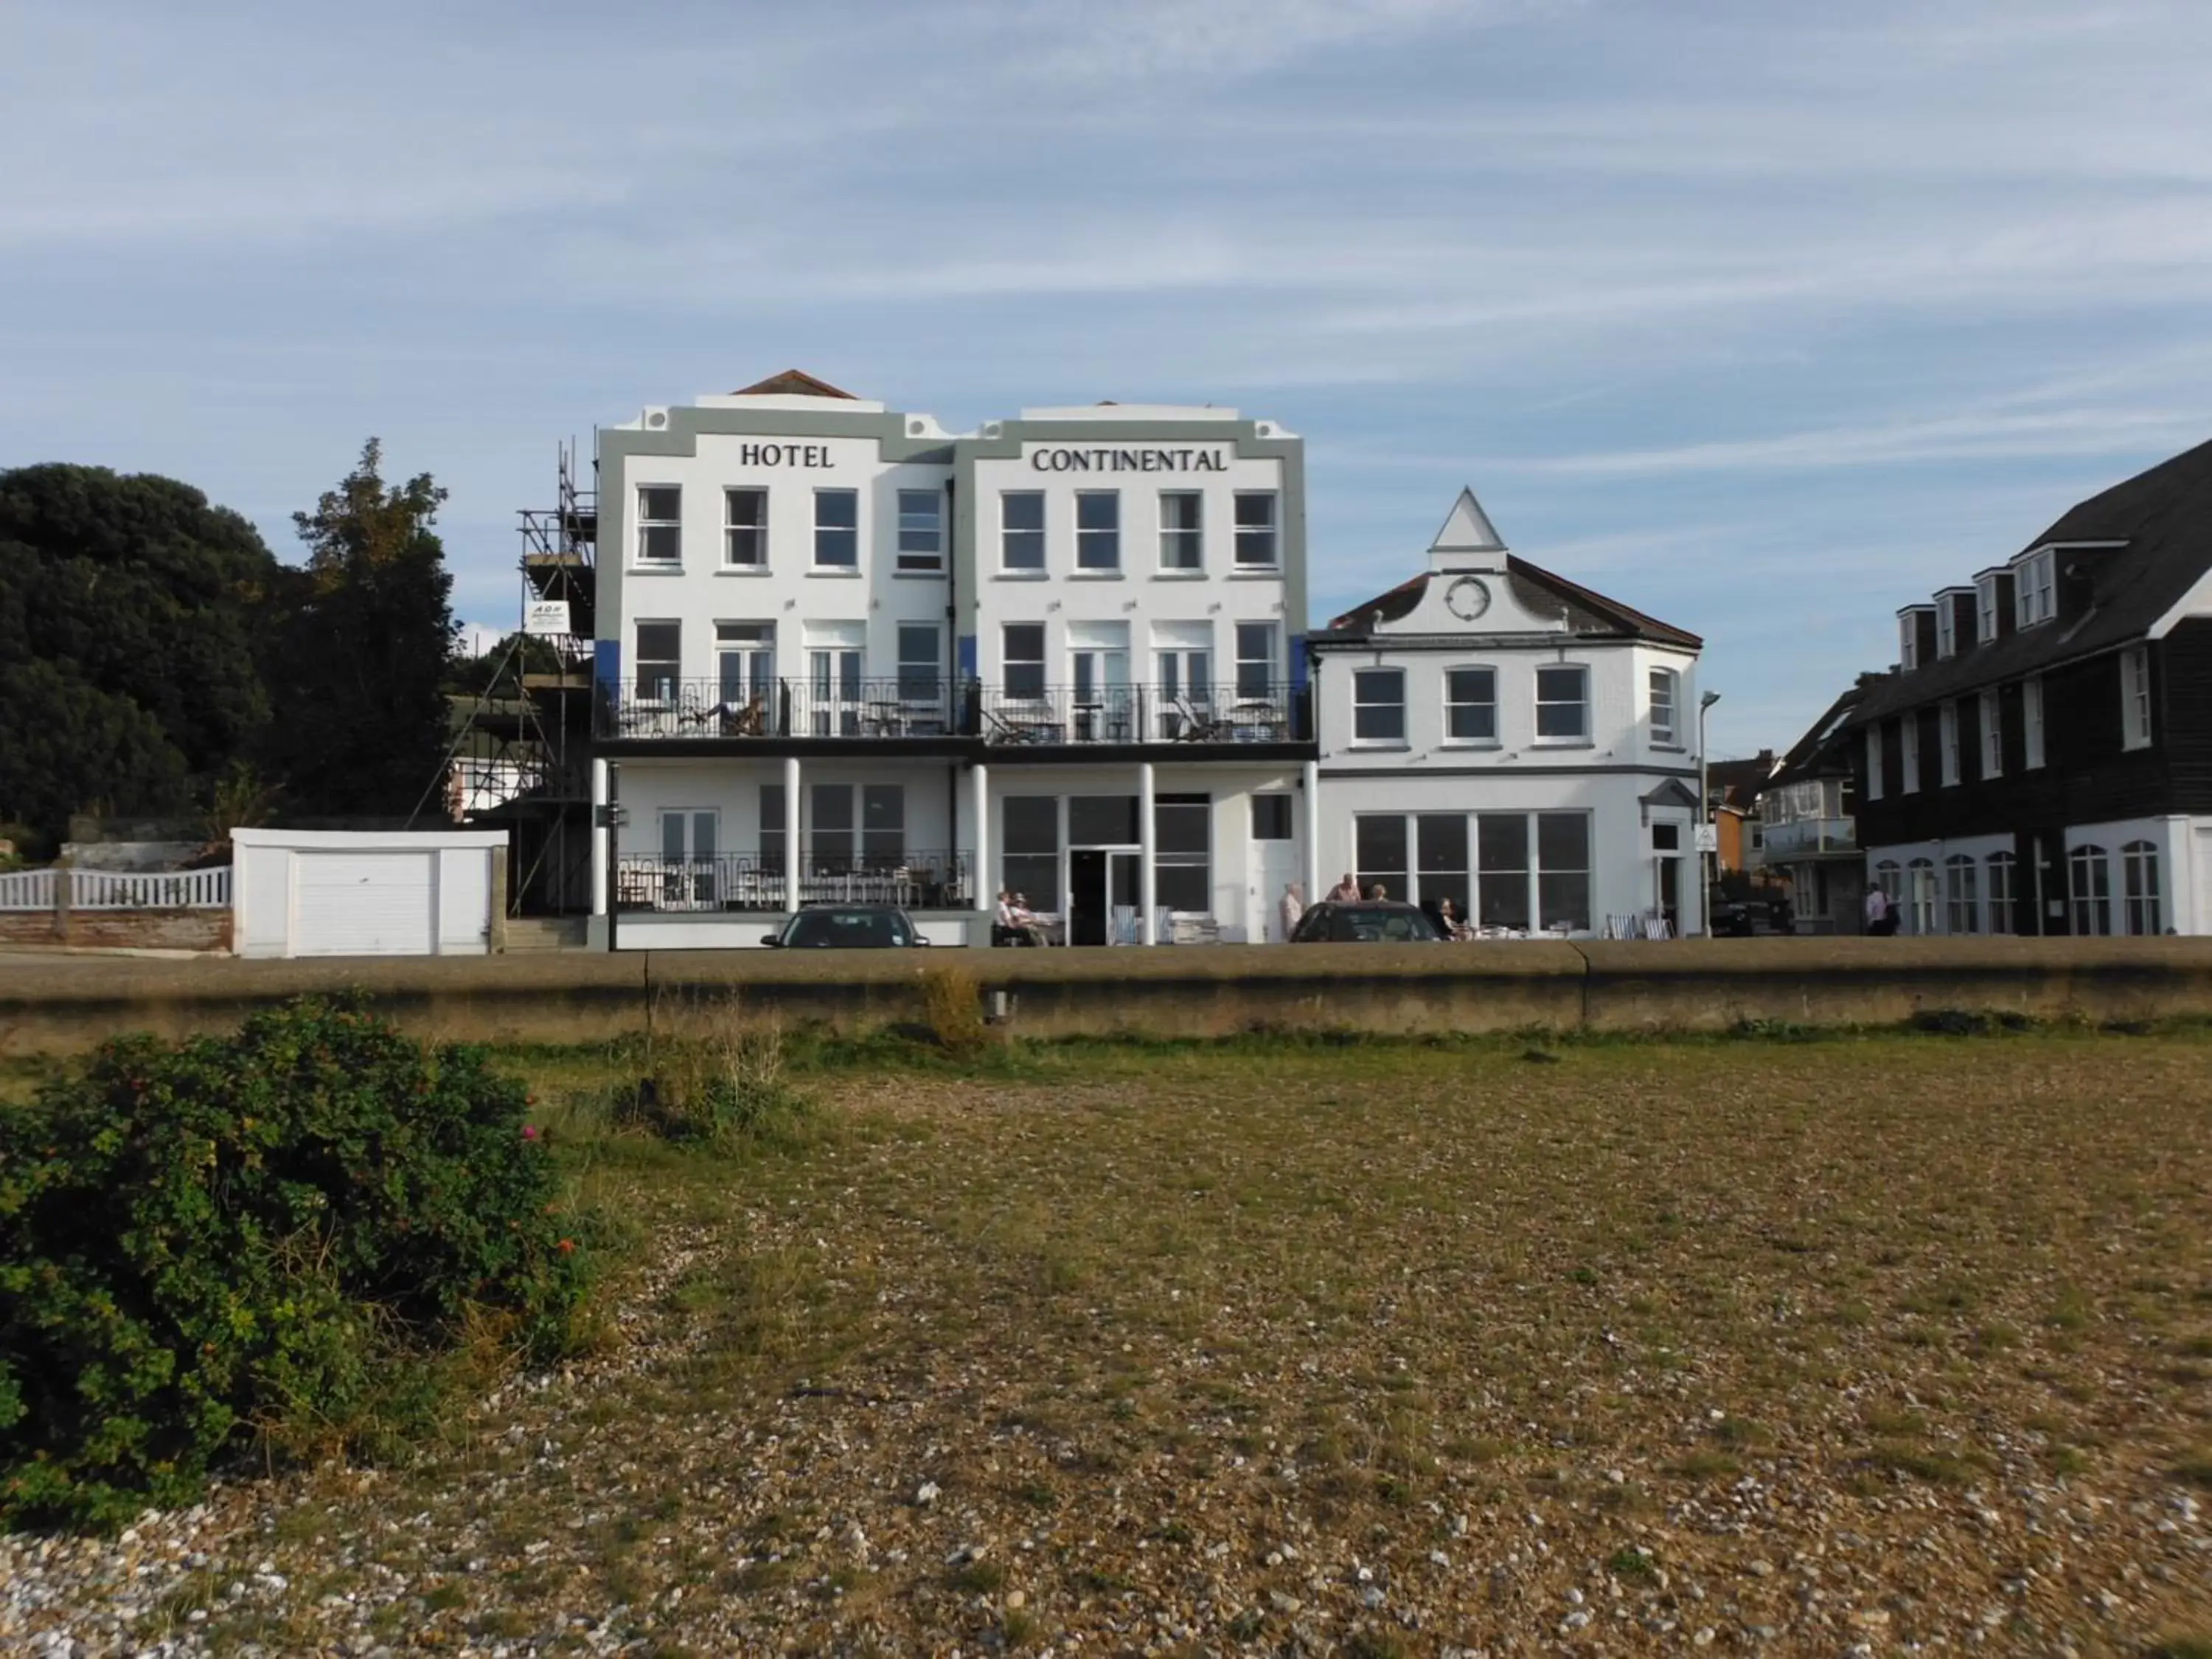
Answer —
(1030, 849)
(1920, 896)
(771, 828)
(1527, 870)
(1182, 853)
(1962, 900)
(2090, 879)
(2139, 874)
(2001, 868)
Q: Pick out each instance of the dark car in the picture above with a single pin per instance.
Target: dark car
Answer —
(847, 927)
(1746, 917)
(1335, 921)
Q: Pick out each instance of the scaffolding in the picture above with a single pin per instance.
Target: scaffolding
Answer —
(521, 754)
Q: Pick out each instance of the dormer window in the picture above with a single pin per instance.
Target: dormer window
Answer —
(1908, 641)
(1985, 608)
(2035, 595)
(1947, 629)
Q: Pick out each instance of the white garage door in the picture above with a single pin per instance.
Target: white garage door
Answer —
(364, 904)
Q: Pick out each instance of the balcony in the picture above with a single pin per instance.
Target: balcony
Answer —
(747, 881)
(1802, 838)
(911, 710)
(905, 707)
(1059, 715)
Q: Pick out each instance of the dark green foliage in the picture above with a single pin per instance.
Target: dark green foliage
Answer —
(128, 616)
(257, 1231)
(499, 671)
(360, 655)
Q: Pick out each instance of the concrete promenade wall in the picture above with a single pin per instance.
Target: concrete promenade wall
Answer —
(56, 1003)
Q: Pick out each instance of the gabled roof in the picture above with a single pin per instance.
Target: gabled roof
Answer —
(1467, 530)
(2161, 522)
(1538, 590)
(792, 383)
(1820, 752)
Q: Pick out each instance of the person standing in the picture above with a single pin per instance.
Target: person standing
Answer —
(1346, 892)
(1290, 909)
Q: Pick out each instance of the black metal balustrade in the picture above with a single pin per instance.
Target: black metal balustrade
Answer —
(921, 710)
(907, 707)
(1058, 715)
(751, 881)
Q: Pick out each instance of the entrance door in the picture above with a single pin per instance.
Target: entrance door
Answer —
(1104, 887)
(1670, 894)
(1274, 866)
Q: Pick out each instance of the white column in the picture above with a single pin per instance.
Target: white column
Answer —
(791, 861)
(601, 831)
(978, 868)
(1148, 886)
(1313, 832)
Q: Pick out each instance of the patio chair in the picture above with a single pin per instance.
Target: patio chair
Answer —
(1195, 727)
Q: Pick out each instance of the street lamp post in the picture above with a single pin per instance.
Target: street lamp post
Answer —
(1705, 821)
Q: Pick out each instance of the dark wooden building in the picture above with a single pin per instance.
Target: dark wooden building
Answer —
(2039, 760)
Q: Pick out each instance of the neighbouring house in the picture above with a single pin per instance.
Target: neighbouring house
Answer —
(1805, 836)
(1732, 789)
(1497, 735)
(843, 653)
(2040, 759)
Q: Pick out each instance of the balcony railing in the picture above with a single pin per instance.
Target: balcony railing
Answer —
(1060, 714)
(908, 707)
(750, 881)
(1801, 837)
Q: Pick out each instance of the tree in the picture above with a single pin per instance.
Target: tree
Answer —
(362, 638)
(499, 671)
(129, 610)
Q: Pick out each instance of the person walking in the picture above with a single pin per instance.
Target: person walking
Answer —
(1290, 909)
(1880, 913)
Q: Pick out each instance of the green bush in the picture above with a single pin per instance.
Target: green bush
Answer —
(260, 1233)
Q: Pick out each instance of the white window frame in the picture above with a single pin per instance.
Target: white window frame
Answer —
(2090, 900)
(1177, 540)
(673, 680)
(1269, 664)
(1947, 722)
(1091, 542)
(1992, 721)
(646, 525)
(1007, 661)
(2034, 598)
(914, 556)
(1453, 703)
(1378, 679)
(1985, 609)
(1908, 641)
(1666, 734)
(1007, 532)
(1258, 546)
(1873, 757)
(2142, 903)
(733, 527)
(1962, 900)
(1999, 872)
(1580, 702)
(2031, 724)
(1947, 629)
(822, 530)
(1908, 753)
(2135, 698)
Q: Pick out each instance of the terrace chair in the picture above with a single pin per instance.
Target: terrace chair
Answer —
(1193, 726)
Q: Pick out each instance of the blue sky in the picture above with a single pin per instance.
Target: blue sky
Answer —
(1765, 318)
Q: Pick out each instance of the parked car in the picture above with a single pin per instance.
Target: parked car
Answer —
(847, 927)
(1745, 917)
(1379, 921)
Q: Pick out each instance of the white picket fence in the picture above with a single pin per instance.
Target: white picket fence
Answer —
(120, 889)
(26, 890)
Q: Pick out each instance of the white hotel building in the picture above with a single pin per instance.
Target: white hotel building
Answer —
(843, 653)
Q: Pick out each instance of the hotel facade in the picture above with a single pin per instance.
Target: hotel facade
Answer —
(842, 653)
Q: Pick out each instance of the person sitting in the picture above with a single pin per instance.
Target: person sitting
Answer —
(1346, 892)
(1378, 892)
(1025, 921)
(1450, 923)
(1005, 929)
